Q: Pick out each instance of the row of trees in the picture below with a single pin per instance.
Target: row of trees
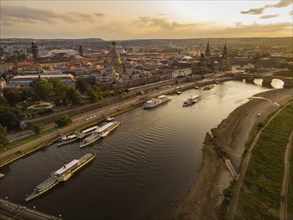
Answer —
(42, 90)
(15, 101)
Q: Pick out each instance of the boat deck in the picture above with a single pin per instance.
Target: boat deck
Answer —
(47, 183)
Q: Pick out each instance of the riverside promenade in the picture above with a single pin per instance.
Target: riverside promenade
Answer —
(12, 211)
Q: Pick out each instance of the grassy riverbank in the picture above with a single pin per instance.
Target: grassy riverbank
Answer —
(290, 188)
(25, 140)
(260, 194)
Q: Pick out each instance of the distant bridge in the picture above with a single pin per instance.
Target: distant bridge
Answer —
(267, 79)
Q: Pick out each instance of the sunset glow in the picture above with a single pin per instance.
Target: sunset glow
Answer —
(145, 19)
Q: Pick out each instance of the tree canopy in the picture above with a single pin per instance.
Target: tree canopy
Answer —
(42, 88)
(10, 117)
(63, 121)
(3, 137)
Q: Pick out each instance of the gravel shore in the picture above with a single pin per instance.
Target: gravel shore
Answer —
(203, 199)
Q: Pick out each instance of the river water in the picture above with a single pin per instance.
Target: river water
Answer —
(140, 168)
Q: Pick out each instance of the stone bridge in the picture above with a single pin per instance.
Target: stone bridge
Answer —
(267, 79)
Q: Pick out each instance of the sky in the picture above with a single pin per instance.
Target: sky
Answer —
(153, 19)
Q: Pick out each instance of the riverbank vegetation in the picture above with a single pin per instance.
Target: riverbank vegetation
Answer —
(39, 99)
(290, 188)
(3, 137)
(63, 121)
(260, 193)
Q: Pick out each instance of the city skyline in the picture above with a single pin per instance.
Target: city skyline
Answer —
(121, 20)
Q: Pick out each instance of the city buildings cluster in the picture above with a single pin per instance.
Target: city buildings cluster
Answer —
(118, 67)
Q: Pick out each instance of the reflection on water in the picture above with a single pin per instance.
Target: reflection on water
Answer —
(277, 83)
(258, 82)
(140, 168)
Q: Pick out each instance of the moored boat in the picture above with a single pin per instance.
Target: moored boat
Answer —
(156, 101)
(107, 128)
(208, 87)
(88, 131)
(191, 100)
(91, 139)
(108, 119)
(100, 132)
(68, 139)
(61, 175)
(2, 175)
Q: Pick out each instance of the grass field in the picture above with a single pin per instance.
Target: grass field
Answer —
(260, 194)
(290, 190)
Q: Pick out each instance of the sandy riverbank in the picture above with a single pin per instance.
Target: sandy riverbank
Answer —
(204, 197)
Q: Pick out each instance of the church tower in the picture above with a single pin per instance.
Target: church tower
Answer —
(80, 51)
(224, 54)
(115, 58)
(35, 51)
(207, 51)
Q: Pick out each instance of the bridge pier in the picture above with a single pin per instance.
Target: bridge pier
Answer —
(267, 82)
(288, 83)
(249, 80)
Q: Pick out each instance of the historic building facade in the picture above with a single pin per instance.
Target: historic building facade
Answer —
(209, 62)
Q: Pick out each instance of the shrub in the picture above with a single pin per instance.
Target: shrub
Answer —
(63, 121)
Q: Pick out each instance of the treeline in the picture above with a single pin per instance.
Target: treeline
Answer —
(15, 102)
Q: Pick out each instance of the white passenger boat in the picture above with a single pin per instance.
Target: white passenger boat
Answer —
(191, 100)
(91, 139)
(61, 175)
(107, 128)
(156, 101)
(100, 132)
(88, 131)
(67, 139)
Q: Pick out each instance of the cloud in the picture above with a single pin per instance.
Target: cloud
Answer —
(99, 14)
(282, 4)
(260, 30)
(12, 15)
(162, 23)
(72, 25)
(148, 27)
(257, 11)
(268, 16)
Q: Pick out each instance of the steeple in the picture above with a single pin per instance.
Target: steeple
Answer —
(207, 51)
(115, 60)
(224, 54)
(114, 55)
(80, 51)
(35, 50)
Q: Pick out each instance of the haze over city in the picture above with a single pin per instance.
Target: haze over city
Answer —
(122, 20)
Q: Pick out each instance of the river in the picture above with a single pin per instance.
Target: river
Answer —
(140, 168)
